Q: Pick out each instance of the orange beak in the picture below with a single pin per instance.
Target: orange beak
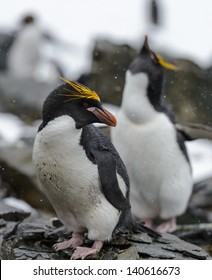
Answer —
(103, 115)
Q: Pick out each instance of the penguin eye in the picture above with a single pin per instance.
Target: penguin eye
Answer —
(153, 57)
(85, 105)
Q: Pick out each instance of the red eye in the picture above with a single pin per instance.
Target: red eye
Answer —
(153, 57)
(85, 105)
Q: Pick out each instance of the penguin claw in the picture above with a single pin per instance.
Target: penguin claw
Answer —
(62, 245)
(83, 252)
(76, 240)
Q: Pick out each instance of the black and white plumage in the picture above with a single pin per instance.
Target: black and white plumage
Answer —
(152, 149)
(80, 171)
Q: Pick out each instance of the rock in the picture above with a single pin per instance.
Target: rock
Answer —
(2, 223)
(25, 253)
(153, 251)
(32, 232)
(8, 213)
(34, 238)
(23, 97)
(201, 237)
(21, 185)
(110, 255)
(195, 131)
(140, 238)
(186, 249)
(188, 91)
(129, 254)
(107, 76)
(17, 173)
(200, 204)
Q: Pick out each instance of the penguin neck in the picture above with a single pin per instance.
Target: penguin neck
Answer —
(59, 128)
(141, 101)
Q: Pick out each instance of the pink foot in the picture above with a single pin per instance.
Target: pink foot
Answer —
(83, 252)
(148, 223)
(76, 240)
(168, 226)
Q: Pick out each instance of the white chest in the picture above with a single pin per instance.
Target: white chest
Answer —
(62, 165)
(147, 148)
(24, 54)
(159, 173)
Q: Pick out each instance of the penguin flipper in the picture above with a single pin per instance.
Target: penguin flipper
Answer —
(108, 178)
(193, 131)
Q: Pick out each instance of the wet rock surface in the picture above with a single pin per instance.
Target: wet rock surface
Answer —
(8, 213)
(109, 64)
(17, 174)
(23, 97)
(188, 90)
(201, 201)
(25, 237)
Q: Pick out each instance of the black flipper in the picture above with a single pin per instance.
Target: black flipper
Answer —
(180, 135)
(107, 174)
(101, 151)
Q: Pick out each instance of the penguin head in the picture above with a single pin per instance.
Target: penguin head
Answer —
(77, 101)
(149, 63)
(143, 86)
(28, 19)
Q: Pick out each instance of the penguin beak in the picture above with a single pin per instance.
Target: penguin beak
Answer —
(165, 64)
(159, 59)
(103, 115)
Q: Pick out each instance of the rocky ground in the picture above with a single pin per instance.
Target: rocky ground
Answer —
(23, 237)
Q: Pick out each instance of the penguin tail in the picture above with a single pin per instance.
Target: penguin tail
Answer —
(128, 223)
(138, 226)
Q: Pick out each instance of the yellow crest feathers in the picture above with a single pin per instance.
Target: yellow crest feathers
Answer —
(78, 91)
(166, 64)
